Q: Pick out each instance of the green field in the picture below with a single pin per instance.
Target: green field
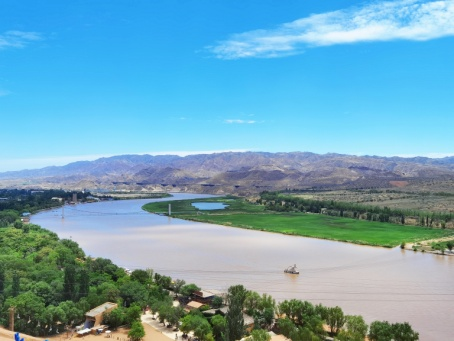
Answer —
(245, 215)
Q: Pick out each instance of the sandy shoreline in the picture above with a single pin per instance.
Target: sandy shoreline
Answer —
(154, 331)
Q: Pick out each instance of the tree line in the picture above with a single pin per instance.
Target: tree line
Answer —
(280, 202)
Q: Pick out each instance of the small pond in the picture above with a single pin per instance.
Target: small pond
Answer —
(206, 206)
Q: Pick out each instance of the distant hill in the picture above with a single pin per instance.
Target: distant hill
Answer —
(235, 172)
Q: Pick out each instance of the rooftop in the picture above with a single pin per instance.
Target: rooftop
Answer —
(100, 309)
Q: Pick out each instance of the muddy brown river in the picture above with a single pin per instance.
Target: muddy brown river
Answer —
(377, 283)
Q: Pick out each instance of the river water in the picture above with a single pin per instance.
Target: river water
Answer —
(377, 283)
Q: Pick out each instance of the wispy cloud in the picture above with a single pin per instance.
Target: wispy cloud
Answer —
(240, 121)
(378, 21)
(18, 39)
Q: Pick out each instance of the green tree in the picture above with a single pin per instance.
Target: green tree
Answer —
(69, 282)
(16, 284)
(335, 319)
(188, 289)
(45, 291)
(132, 314)
(380, 331)
(356, 329)
(174, 315)
(2, 279)
(236, 296)
(134, 292)
(137, 332)
(195, 322)
(300, 312)
(259, 335)
(286, 326)
(251, 301)
(404, 332)
(177, 285)
(450, 245)
(219, 325)
(115, 318)
(141, 276)
(84, 283)
(30, 308)
(217, 302)
(72, 312)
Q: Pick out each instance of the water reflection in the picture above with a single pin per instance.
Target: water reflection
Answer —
(378, 283)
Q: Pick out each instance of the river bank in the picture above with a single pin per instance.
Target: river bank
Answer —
(243, 214)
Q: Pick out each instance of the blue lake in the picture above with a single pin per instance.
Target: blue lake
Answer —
(208, 206)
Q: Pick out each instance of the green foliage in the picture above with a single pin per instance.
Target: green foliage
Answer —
(198, 324)
(450, 245)
(30, 308)
(115, 318)
(140, 276)
(356, 329)
(177, 285)
(335, 319)
(404, 332)
(188, 289)
(137, 332)
(259, 335)
(132, 314)
(134, 292)
(163, 281)
(16, 284)
(296, 222)
(380, 331)
(219, 325)
(69, 283)
(236, 296)
(217, 302)
(280, 202)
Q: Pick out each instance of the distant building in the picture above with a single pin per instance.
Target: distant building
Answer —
(25, 218)
(93, 318)
(193, 305)
(203, 296)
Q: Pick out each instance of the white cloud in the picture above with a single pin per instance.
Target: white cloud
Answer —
(240, 121)
(378, 21)
(17, 39)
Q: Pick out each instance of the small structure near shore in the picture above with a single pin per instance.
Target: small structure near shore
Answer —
(93, 318)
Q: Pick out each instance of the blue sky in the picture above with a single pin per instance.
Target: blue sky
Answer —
(82, 79)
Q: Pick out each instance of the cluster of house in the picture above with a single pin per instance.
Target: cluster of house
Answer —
(204, 297)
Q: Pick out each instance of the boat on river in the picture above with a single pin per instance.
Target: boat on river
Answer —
(292, 270)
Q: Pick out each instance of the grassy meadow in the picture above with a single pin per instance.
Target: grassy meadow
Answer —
(242, 214)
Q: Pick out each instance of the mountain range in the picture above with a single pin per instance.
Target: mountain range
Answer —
(235, 172)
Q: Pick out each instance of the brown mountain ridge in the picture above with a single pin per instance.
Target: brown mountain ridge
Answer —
(235, 172)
